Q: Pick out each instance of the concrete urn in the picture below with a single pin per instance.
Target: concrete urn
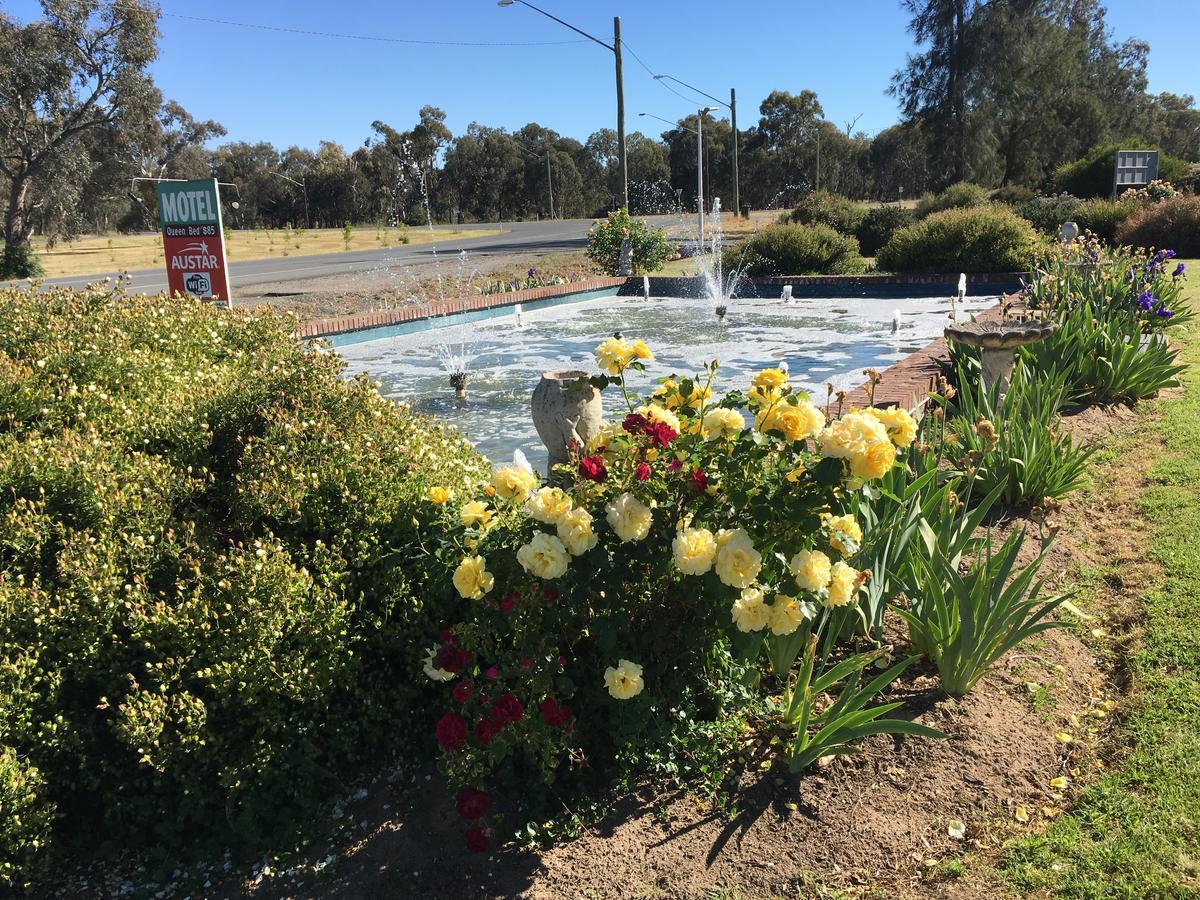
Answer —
(566, 410)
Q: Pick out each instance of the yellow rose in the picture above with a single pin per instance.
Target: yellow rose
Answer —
(656, 413)
(544, 557)
(614, 354)
(770, 379)
(642, 351)
(624, 681)
(901, 426)
(797, 422)
(811, 570)
(764, 396)
(629, 518)
(548, 505)
(843, 584)
(738, 563)
(576, 532)
(694, 550)
(514, 482)
(472, 579)
(722, 423)
(475, 514)
(874, 462)
(845, 535)
(438, 495)
(750, 613)
(786, 615)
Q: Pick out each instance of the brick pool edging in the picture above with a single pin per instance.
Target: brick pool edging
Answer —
(844, 285)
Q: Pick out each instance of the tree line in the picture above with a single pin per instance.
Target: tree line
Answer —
(1000, 92)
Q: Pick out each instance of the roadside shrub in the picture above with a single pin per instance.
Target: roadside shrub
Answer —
(990, 239)
(826, 208)
(961, 195)
(20, 262)
(879, 224)
(786, 249)
(649, 246)
(1092, 175)
(1013, 194)
(588, 623)
(25, 817)
(1047, 214)
(1172, 223)
(211, 580)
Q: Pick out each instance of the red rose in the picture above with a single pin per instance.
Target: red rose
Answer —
(451, 731)
(507, 708)
(447, 636)
(699, 481)
(492, 673)
(554, 713)
(486, 729)
(463, 690)
(592, 468)
(479, 839)
(473, 803)
(636, 423)
(550, 594)
(452, 659)
(662, 434)
(509, 601)
(643, 472)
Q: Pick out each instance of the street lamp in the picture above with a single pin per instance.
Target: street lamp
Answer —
(732, 107)
(303, 187)
(698, 131)
(615, 48)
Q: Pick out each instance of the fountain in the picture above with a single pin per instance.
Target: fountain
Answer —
(996, 342)
(786, 296)
(455, 353)
(719, 286)
(645, 287)
(517, 315)
(895, 320)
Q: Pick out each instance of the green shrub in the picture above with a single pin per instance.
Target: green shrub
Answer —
(1172, 224)
(1047, 214)
(212, 596)
(25, 817)
(1103, 217)
(20, 261)
(1013, 194)
(989, 239)
(649, 246)
(1092, 176)
(878, 226)
(796, 250)
(825, 208)
(961, 195)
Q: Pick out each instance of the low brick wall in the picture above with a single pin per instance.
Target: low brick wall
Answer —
(836, 286)
(344, 324)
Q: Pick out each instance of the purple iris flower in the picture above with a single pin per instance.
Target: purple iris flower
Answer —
(1163, 313)
(1179, 270)
(532, 271)
(1146, 301)
(1170, 254)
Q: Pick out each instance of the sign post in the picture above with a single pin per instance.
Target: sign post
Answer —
(193, 239)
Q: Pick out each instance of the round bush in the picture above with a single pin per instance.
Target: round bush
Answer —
(1013, 194)
(1170, 225)
(211, 580)
(990, 239)
(1047, 214)
(789, 249)
(19, 261)
(879, 224)
(825, 208)
(648, 246)
(1103, 217)
(958, 196)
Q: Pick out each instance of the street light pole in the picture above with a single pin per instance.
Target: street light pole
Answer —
(303, 187)
(615, 47)
(700, 172)
(732, 107)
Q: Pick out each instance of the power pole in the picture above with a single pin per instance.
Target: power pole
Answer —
(550, 184)
(620, 112)
(737, 193)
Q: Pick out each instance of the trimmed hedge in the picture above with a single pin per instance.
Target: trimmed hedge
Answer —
(987, 239)
(879, 224)
(212, 604)
(1168, 225)
(834, 210)
(787, 249)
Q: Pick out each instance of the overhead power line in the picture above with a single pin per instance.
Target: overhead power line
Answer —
(654, 74)
(368, 37)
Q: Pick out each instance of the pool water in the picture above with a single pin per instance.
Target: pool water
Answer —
(823, 341)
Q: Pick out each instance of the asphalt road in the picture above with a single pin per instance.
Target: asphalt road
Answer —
(566, 234)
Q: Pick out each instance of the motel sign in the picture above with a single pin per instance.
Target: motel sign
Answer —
(193, 239)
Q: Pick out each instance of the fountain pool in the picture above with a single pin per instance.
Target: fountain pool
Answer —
(822, 340)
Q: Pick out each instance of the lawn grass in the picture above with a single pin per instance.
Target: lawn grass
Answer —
(1135, 832)
(97, 254)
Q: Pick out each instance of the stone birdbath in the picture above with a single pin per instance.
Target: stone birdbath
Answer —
(996, 342)
(566, 410)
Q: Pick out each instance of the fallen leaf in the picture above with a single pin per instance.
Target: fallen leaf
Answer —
(1060, 783)
(957, 829)
(1021, 814)
(1063, 738)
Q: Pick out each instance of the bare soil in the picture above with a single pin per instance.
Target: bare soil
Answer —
(874, 824)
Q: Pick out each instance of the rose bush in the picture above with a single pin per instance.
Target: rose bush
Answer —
(696, 530)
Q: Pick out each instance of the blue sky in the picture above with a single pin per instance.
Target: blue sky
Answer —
(298, 89)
